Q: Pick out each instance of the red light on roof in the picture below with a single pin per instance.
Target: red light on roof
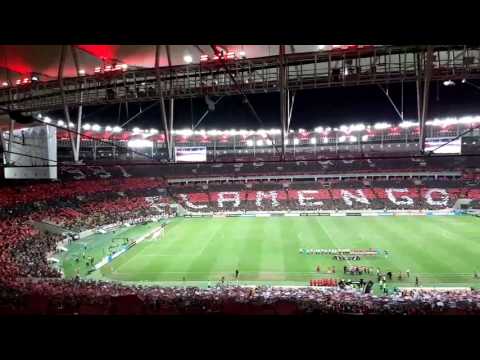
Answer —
(98, 69)
(5, 84)
(203, 57)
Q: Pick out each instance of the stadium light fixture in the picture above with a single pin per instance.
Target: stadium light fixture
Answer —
(81, 72)
(342, 139)
(321, 47)
(260, 142)
(71, 125)
(353, 139)
(313, 141)
(319, 129)
(60, 123)
(86, 127)
(365, 138)
(449, 83)
(47, 120)
(39, 116)
(34, 78)
(407, 124)
(153, 131)
(136, 130)
(357, 127)
(249, 142)
(325, 140)
(96, 127)
(117, 129)
(124, 67)
(242, 53)
(464, 81)
(4, 84)
(188, 59)
(382, 126)
(108, 128)
(296, 141)
(139, 143)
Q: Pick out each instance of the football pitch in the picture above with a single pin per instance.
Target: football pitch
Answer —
(440, 250)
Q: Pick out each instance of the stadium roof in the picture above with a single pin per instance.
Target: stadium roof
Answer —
(19, 61)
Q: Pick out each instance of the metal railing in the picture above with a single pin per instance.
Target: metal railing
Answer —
(380, 65)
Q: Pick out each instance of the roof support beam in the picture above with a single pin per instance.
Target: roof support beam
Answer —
(290, 108)
(80, 107)
(399, 113)
(163, 113)
(426, 93)
(61, 66)
(172, 103)
(418, 70)
(206, 113)
(283, 98)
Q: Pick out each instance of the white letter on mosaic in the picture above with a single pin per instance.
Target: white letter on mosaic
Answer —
(402, 200)
(267, 195)
(302, 197)
(124, 172)
(235, 199)
(442, 202)
(360, 197)
(184, 197)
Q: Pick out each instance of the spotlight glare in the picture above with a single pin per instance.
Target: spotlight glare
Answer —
(188, 59)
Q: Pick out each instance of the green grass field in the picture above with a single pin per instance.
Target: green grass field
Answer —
(440, 250)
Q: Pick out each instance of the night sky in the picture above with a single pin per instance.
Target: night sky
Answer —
(320, 107)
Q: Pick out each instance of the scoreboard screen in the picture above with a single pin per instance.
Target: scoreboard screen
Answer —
(454, 147)
(191, 154)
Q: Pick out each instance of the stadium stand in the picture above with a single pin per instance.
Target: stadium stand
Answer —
(344, 195)
(399, 163)
(29, 285)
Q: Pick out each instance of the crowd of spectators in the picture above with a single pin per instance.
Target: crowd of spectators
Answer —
(89, 297)
(28, 284)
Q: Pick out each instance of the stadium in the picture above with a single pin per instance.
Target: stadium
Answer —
(157, 212)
